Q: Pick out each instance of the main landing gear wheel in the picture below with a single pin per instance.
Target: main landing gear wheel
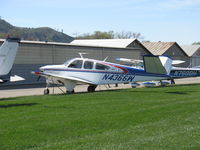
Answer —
(172, 81)
(46, 91)
(91, 88)
(161, 84)
(70, 92)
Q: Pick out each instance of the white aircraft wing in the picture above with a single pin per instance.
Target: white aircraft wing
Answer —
(62, 77)
(16, 78)
(174, 62)
(129, 60)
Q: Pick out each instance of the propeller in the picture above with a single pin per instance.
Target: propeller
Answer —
(38, 78)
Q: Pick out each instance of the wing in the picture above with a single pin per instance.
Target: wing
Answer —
(46, 75)
(129, 60)
(176, 62)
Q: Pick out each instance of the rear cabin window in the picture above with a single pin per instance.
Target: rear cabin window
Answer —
(88, 65)
(76, 64)
(102, 67)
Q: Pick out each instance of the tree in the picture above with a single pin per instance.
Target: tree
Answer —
(97, 35)
(128, 35)
(196, 43)
(110, 35)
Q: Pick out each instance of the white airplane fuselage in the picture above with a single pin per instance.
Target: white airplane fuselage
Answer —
(98, 77)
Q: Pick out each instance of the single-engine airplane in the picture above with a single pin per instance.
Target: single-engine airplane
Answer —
(95, 72)
(8, 51)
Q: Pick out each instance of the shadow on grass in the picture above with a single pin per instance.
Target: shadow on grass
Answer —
(7, 99)
(17, 105)
(124, 91)
(85, 92)
(177, 92)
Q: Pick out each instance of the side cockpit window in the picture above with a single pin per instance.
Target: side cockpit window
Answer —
(88, 65)
(101, 67)
(76, 64)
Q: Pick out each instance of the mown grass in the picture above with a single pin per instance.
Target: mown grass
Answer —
(144, 118)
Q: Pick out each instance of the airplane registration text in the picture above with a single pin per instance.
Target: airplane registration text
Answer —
(118, 77)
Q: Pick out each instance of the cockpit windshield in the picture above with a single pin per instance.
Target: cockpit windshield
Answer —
(67, 62)
(76, 64)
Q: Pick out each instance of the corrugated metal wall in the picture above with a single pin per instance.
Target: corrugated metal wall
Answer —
(195, 59)
(176, 54)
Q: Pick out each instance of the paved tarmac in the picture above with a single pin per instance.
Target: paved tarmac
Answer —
(26, 91)
(39, 91)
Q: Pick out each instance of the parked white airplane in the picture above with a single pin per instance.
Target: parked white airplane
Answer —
(8, 51)
(96, 72)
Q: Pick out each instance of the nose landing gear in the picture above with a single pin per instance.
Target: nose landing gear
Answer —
(46, 91)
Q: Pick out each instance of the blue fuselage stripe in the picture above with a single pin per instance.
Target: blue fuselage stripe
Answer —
(131, 72)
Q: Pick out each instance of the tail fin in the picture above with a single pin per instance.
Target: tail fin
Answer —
(157, 64)
(8, 51)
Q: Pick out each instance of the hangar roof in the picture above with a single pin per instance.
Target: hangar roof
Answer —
(190, 49)
(110, 43)
(38, 42)
(158, 48)
(119, 43)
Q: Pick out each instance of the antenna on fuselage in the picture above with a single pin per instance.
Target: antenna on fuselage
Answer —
(81, 54)
(105, 58)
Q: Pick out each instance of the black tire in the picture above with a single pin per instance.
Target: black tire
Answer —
(46, 91)
(161, 84)
(70, 92)
(91, 88)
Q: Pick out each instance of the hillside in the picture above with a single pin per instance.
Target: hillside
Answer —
(35, 34)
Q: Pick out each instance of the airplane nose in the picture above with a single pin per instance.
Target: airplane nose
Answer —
(42, 68)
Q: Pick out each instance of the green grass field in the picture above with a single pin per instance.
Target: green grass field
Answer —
(141, 118)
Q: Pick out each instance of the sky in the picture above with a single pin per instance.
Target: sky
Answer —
(156, 20)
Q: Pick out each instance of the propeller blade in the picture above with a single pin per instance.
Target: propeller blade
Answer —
(38, 78)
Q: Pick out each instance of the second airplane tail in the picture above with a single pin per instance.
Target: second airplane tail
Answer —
(157, 64)
(8, 51)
